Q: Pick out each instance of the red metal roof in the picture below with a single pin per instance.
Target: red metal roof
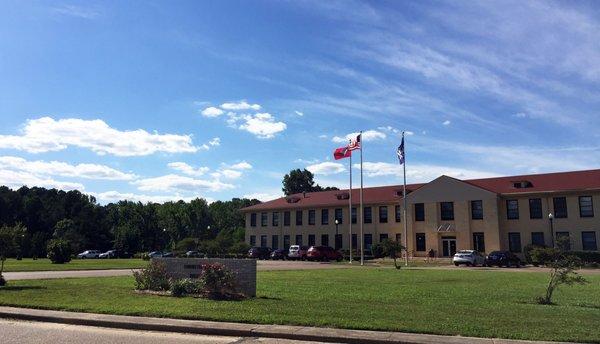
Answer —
(548, 182)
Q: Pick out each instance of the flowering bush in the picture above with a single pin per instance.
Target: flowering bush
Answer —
(154, 277)
(218, 282)
(185, 286)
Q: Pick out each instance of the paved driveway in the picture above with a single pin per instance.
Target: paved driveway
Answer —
(263, 265)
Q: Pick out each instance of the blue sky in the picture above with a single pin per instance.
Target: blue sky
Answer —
(162, 100)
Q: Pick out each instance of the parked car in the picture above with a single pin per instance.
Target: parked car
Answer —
(193, 254)
(323, 253)
(259, 252)
(469, 258)
(114, 254)
(89, 254)
(168, 255)
(279, 254)
(155, 254)
(298, 252)
(502, 258)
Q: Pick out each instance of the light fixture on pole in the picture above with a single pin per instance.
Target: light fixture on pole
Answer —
(337, 222)
(551, 218)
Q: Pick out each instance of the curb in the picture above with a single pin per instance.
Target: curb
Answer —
(300, 333)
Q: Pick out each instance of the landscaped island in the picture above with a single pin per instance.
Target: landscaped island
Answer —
(454, 302)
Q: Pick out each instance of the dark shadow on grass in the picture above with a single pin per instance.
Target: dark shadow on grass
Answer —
(19, 288)
(587, 305)
(269, 298)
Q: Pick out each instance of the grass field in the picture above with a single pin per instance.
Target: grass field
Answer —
(469, 303)
(75, 264)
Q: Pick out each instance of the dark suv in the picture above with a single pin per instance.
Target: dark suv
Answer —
(502, 258)
(259, 252)
(323, 253)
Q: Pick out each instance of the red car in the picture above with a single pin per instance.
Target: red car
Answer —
(323, 253)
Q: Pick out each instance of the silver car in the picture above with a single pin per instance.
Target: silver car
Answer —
(469, 258)
(89, 254)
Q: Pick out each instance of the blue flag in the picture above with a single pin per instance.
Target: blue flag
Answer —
(400, 152)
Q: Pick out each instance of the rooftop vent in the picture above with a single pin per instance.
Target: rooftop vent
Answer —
(292, 199)
(343, 195)
(522, 184)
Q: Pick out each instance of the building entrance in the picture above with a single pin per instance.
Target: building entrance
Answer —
(448, 246)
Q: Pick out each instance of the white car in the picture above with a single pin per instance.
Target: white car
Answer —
(469, 258)
(89, 254)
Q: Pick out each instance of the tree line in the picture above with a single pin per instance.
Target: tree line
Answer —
(37, 215)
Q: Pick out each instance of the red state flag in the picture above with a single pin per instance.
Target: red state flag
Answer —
(341, 153)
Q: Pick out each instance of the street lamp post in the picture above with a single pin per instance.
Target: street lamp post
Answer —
(551, 218)
(336, 232)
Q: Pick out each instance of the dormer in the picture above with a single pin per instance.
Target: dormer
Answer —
(342, 195)
(522, 184)
(292, 199)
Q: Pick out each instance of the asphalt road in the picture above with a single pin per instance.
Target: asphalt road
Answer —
(24, 332)
(263, 265)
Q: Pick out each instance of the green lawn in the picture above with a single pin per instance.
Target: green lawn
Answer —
(75, 264)
(469, 303)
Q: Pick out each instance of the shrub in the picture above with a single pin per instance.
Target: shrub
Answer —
(540, 255)
(185, 286)
(145, 256)
(2, 281)
(588, 258)
(218, 282)
(59, 251)
(377, 250)
(154, 277)
(239, 248)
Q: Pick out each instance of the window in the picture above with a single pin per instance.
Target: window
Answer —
(286, 242)
(298, 217)
(477, 210)
(311, 217)
(253, 240)
(368, 241)
(588, 241)
(286, 218)
(586, 206)
(563, 241)
(398, 237)
(383, 214)
(537, 239)
(419, 212)
(560, 207)
(368, 215)
(398, 213)
(298, 239)
(478, 242)
(275, 242)
(354, 241)
(514, 242)
(324, 240)
(535, 208)
(421, 242)
(263, 241)
(512, 209)
(353, 215)
(338, 215)
(253, 220)
(275, 219)
(311, 240)
(447, 211)
(324, 216)
(382, 237)
(263, 219)
(338, 241)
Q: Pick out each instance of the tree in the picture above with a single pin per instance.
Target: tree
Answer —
(562, 269)
(66, 230)
(59, 251)
(9, 236)
(298, 181)
(392, 249)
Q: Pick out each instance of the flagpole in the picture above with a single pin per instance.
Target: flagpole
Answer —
(362, 241)
(404, 204)
(350, 210)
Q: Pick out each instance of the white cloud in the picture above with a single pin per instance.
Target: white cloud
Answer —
(262, 125)
(323, 136)
(176, 183)
(46, 134)
(264, 196)
(56, 168)
(215, 142)
(409, 133)
(369, 135)
(299, 113)
(446, 122)
(212, 112)
(230, 174)
(188, 169)
(419, 173)
(326, 168)
(77, 11)
(16, 179)
(115, 196)
(242, 105)
(241, 166)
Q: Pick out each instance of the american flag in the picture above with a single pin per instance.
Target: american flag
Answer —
(354, 143)
(400, 152)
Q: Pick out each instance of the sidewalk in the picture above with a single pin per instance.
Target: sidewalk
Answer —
(242, 330)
